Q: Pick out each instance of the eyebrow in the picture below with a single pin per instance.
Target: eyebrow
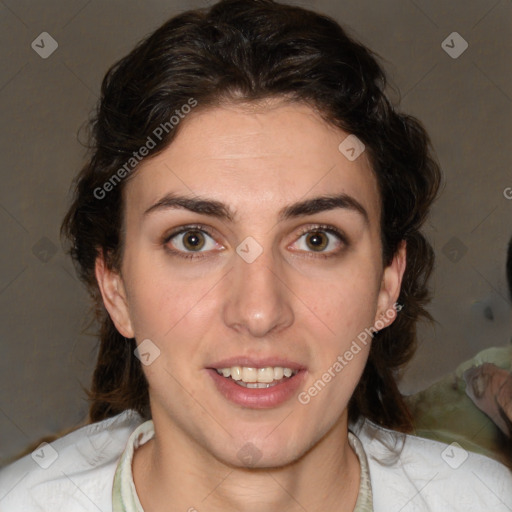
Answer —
(205, 206)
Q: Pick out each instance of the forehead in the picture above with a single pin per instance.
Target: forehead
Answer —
(255, 157)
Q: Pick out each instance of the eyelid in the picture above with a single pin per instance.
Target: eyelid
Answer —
(311, 228)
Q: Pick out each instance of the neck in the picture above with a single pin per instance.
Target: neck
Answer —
(172, 468)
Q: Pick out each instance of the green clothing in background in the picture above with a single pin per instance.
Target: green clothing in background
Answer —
(444, 412)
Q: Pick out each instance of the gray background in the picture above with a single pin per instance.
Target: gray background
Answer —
(47, 351)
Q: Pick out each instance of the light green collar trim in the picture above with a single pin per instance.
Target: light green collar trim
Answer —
(364, 501)
(124, 495)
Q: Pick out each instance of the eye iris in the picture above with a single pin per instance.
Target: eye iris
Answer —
(315, 238)
(193, 240)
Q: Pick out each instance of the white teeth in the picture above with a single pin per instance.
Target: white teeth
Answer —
(254, 385)
(264, 376)
(249, 374)
(236, 373)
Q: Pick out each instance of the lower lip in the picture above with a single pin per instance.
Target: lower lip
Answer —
(258, 398)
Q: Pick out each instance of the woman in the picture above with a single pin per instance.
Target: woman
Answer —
(248, 225)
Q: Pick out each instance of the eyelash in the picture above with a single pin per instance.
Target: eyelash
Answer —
(200, 227)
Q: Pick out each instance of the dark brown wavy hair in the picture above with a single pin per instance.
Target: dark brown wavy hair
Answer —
(246, 51)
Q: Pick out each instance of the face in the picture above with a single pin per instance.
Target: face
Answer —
(255, 275)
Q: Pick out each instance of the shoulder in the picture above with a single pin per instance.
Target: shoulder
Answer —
(411, 473)
(74, 472)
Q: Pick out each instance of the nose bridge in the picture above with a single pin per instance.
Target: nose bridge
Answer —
(257, 298)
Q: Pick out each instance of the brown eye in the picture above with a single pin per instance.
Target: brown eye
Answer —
(317, 240)
(324, 240)
(193, 240)
(190, 241)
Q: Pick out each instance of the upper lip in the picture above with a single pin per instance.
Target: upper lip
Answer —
(252, 362)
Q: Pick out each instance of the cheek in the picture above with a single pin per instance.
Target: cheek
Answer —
(347, 305)
(162, 303)
(347, 308)
(167, 314)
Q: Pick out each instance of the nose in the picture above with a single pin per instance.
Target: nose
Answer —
(258, 300)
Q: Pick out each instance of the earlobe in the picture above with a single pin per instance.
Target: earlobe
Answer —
(390, 288)
(114, 297)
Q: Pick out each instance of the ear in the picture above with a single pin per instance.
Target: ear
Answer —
(114, 297)
(390, 289)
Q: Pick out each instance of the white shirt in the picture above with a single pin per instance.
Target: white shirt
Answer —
(76, 472)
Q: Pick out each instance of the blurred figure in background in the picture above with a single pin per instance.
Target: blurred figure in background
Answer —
(473, 405)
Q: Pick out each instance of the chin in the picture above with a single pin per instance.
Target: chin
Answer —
(252, 458)
(261, 452)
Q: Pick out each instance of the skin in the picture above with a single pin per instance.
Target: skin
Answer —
(257, 159)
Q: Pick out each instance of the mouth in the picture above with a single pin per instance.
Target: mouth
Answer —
(257, 385)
